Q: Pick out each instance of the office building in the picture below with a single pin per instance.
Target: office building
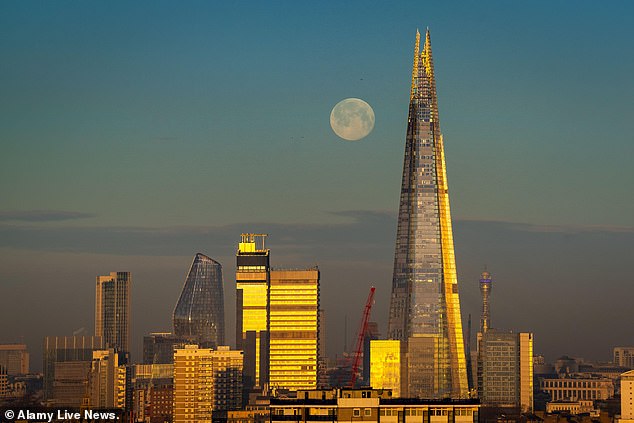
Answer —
(199, 316)
(63, 349)
(206, 380)
(425, 307)
(627, 397)
(624, 357)
(158, 347)
(252, 294)
(385, 365)
(370, 406)
(70, 384)
(505, 370)
(14, 358)
(107, 381)
(112, 310)
(293, 328)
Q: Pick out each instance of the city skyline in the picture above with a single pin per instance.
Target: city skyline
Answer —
(152, 116)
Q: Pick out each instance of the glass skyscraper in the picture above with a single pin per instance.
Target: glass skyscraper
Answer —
(112, 310)
(424, 308)
(199, 316)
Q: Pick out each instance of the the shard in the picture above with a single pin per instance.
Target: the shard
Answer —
(425, 308)
(199, 316)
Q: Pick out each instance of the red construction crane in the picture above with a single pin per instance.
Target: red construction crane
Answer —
(362, 329)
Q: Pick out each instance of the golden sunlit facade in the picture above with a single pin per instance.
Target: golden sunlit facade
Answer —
(425, 307)
(252, 293)
(385, 365)
(206, 380)
(193, 384)
(294, 329)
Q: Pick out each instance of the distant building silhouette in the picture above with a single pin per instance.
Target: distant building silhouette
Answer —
(14, 358)
(624, 357)
(67, 361)
(158, 348)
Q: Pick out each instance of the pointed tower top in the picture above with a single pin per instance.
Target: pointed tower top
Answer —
(415, 66)
(427, 47)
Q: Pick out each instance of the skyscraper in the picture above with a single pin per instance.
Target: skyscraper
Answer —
(199, 315)
(293, 328)
(425, 308)
(112, 310)
(252, 295)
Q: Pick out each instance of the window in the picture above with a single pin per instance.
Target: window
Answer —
(367, 411)
(356, 412)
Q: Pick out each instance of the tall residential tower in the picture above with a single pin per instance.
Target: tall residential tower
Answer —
(425, 308)
(112, 310)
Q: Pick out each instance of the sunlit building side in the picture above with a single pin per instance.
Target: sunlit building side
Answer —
(385, 365)
(293, 329)
(252, 294)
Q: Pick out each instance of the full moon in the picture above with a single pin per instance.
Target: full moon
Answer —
(352, 119)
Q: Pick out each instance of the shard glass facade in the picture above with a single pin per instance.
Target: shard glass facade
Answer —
(424, 308)
(199, 315)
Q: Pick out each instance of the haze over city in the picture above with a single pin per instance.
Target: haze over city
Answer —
(133, 137)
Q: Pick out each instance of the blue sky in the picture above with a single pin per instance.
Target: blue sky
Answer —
(197, 118)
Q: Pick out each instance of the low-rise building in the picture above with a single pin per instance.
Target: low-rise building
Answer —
(572, 407)
(370, 405)
(577, 387)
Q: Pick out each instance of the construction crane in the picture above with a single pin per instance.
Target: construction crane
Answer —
(359, 347)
